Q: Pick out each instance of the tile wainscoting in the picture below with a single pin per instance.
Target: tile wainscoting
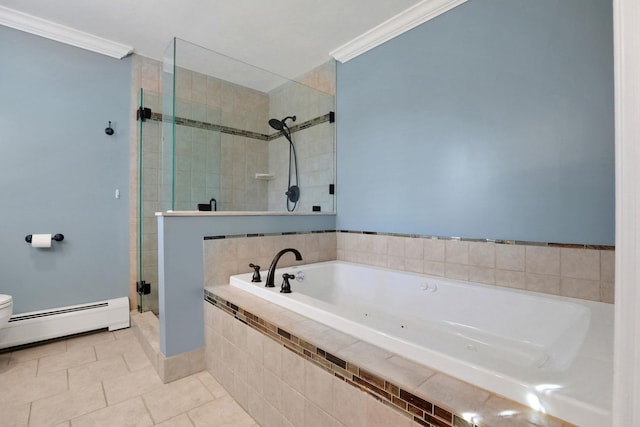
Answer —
(576, 271)
(284, 369)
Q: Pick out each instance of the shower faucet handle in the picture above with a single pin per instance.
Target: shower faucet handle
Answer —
(256, 273)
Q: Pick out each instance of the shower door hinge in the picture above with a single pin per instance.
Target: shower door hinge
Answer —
(143, 288)
(143, 114)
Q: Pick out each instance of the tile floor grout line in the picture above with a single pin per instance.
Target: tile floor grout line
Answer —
(29, 416)
(144, 402)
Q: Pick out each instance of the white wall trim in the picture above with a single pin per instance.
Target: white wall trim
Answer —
(401, 23)
(626, 377)
(61, 33)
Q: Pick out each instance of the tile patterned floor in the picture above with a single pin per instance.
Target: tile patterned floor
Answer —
(105, 379)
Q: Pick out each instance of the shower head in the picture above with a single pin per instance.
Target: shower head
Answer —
(276, 124)
(281, 124)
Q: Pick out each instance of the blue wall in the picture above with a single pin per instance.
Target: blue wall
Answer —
(59, 172)
(494, 120)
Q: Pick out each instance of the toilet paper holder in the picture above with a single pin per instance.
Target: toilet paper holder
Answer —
(58, 238)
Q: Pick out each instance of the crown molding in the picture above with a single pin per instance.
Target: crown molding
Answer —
(401, 23)
(61, 33)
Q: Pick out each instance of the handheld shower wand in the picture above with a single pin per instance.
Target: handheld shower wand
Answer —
(293, 191)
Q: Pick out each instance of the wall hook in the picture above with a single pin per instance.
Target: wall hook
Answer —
(109, 130)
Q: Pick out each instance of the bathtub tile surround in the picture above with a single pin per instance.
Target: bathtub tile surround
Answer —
(225, 256)
(577, 271)
(284, 370)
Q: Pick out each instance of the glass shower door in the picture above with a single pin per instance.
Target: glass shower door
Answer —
(149, 156)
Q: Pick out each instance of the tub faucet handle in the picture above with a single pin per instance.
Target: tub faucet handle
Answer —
(286, 287)
(256, 273)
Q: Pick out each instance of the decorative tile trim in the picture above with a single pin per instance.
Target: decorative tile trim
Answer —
(418, 236)
(158, 117)
(421, 411)
(497, 241)
(286, 233)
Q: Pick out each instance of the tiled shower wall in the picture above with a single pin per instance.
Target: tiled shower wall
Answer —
(315, 146)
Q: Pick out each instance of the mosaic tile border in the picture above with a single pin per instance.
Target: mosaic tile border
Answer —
(497, 241)
(286, 233)
(418, 236)
(414, 407)
(158, 117)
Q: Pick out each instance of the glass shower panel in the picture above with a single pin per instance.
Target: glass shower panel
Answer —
(217, 143)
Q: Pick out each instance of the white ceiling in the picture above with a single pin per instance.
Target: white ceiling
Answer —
(287, 37)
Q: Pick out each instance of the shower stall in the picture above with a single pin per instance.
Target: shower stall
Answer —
(205, 143)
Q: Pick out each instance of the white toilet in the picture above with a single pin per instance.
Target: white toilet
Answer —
(6, 309)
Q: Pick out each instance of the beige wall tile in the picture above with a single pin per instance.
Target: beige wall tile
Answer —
(317, 386)
(414, 248)
(414, 265)
(607, 292)
(348, 404)
(272, 417)
(395, 262)
(580, 288)
(376, 244)
(395, 246)
(272, 353)
(580, 263)
(510, 257)
(256, 405)
(511, 279)
(542, 260)
(607, 266)
(293, 409)
(456, 271)
(434, 268)
(482, 254)
(272, 387)
(484, 275)
(434, 250)
(457, 252)
(542, 283)
(293, 370)
(384, 416)
(316, 417)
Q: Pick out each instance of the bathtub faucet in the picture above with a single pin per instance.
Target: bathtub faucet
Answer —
(272, 267)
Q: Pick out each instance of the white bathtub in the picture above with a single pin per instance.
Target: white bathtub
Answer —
(547, 352)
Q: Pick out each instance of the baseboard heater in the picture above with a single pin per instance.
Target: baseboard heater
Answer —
(26, 328)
